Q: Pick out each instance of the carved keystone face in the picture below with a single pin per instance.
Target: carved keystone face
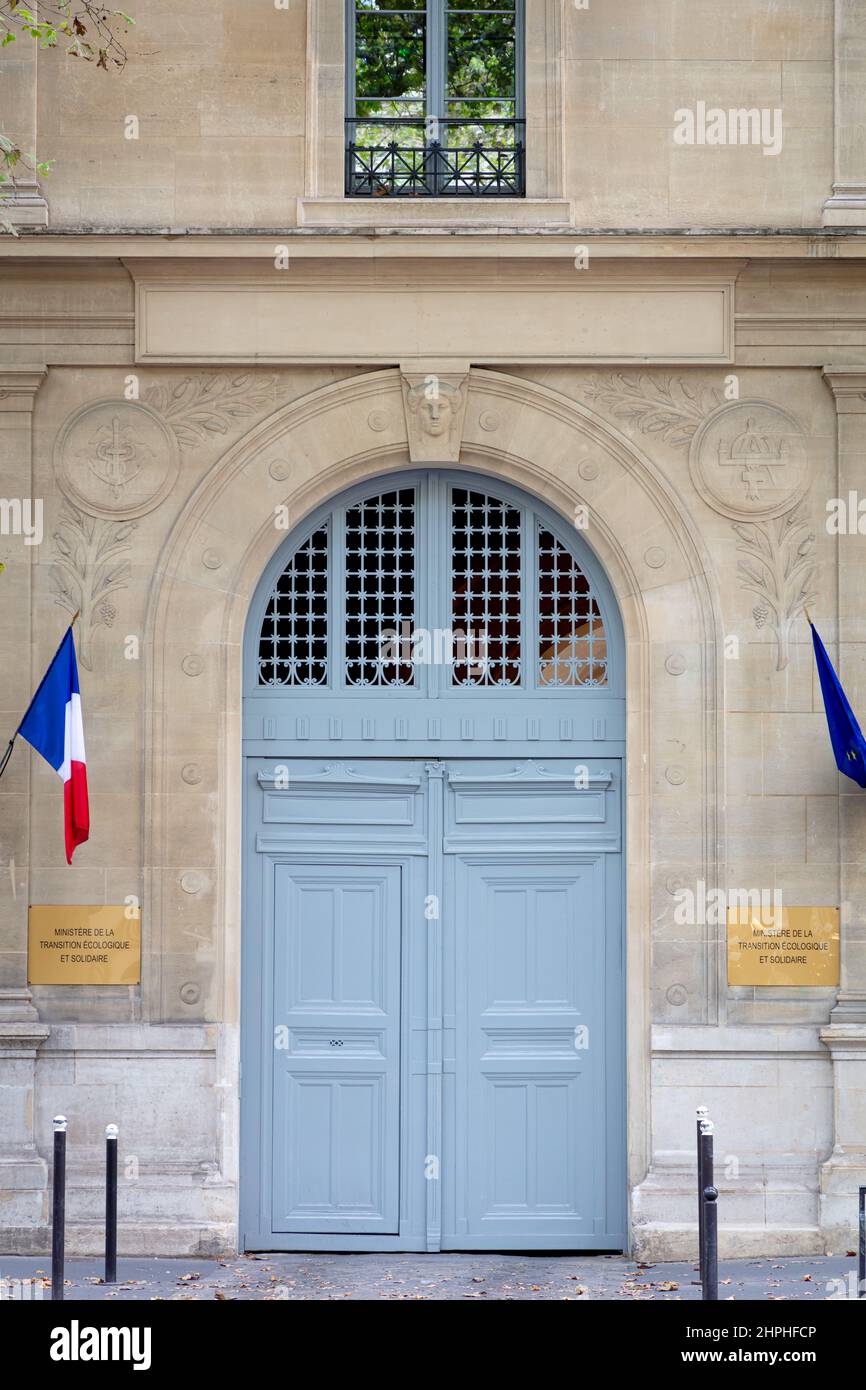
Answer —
(435, 409)
(436, 415)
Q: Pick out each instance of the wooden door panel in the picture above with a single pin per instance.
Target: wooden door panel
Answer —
(336, 1094)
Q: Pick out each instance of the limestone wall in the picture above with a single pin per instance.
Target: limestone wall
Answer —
(238, 112)
(730, 778)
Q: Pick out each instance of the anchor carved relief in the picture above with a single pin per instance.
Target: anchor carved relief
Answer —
(117, 456)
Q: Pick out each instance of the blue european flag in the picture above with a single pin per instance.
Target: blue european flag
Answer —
(846, 736)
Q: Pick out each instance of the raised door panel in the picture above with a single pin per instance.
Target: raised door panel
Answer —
(533, 1115)
(336, 1098)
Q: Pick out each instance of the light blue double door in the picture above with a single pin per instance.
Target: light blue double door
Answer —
(433, 980)
(435, 970)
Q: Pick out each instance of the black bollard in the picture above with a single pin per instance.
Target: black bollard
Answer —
(711, 1238)
(701, 1114)
(705, 1168)
(111, 1132)
(861, 1248)
(58, 1221)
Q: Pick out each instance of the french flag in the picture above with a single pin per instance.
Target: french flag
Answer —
(53, 726)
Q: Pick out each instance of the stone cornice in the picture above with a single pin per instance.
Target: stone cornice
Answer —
(848, 385)
(22, 1039)
(846, 1041)
(19, 384)
(410, 242)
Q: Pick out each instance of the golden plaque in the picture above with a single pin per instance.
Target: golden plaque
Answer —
(783, 946)
(84, 945)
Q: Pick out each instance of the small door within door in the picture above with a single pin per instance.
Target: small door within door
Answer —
(336, 1073)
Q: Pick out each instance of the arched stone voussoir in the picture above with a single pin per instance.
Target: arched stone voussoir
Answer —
(313, 449)
(636, 520)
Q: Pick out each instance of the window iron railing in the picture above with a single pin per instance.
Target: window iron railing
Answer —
(451, 166)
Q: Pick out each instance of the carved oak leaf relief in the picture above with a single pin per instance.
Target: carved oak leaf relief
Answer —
(779, 566)
(198, 406)
(668, 406)
(90, 564)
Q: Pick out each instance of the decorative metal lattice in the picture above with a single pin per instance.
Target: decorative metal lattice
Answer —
(380, 590)
(572, 643)
(293, 643)
(405, 168)
(486, 589)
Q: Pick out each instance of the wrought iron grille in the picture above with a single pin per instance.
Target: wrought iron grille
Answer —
(352, 587)
(486, 588)
(380, 589)
(571, 638)
(293, 643)
(452, 167)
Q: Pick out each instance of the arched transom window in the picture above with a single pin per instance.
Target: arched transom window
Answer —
(433, 585)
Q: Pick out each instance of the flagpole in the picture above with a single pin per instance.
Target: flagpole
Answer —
(8, 754)
(11, 744)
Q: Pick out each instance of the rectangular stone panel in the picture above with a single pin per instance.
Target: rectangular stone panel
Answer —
(249, 320)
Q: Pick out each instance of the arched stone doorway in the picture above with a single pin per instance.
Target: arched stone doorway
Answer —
(517, 431)
(433, 1004)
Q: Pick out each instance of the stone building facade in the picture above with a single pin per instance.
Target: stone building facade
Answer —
(655, 348)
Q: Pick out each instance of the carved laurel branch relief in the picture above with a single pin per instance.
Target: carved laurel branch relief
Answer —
(748, 461)
(668, 406)
(117, 460)
(208, 404)
(779, 567)
(90, 565)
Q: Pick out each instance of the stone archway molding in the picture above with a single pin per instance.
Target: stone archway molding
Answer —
(303, 454)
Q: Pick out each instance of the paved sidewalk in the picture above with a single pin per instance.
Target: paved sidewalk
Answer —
(430, 1277)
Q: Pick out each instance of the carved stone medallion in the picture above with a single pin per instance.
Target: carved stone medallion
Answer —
(116, 458)
(748, 460)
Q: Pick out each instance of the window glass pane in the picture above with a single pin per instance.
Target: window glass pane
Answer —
(462, 137)
(485, 587)
(481, 55)
(293, 642)
(572, 644)
(380, 589)
(389, 56)
(490, 123)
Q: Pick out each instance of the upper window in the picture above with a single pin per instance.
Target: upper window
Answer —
(434, 98)
(429, 577)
